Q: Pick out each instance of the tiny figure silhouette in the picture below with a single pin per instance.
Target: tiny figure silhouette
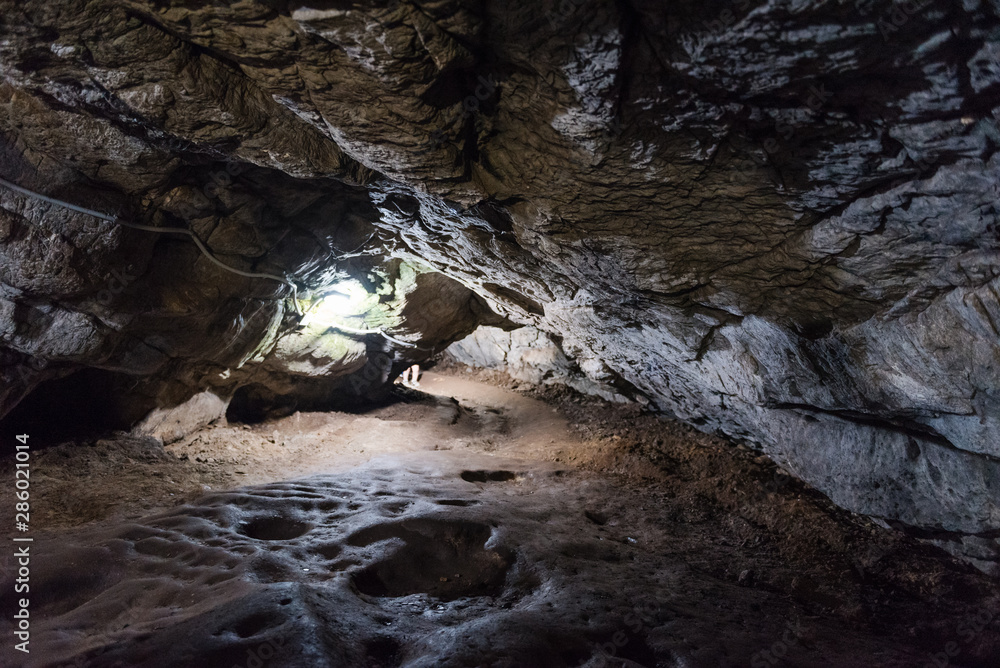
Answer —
(411, 376)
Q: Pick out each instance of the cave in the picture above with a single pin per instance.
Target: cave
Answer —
(459, 333)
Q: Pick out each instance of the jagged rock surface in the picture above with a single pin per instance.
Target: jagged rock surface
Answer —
(532, 356)
(776, 220)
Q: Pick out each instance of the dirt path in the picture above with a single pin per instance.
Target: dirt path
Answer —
(127, 477)
(524, 427)
(448, 412)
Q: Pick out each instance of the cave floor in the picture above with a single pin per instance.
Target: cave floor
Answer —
(469, 524)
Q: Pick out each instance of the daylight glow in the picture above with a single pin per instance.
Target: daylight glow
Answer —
(340, 301)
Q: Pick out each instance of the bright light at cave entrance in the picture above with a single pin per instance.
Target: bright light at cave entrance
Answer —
(339, 301)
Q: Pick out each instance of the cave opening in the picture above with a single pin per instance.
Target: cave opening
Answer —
(572, 333)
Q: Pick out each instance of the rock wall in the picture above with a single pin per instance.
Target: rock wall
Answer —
(532, 356)
(775, 219)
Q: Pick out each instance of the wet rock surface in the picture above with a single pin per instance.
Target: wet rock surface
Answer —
(774, 220)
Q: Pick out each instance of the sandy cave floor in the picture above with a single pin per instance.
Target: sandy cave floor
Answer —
(472, 523)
